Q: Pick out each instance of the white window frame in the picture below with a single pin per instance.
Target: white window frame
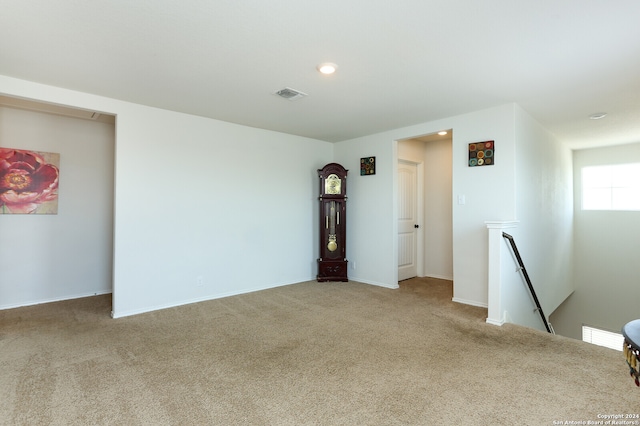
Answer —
(611, 187)
(600, 337)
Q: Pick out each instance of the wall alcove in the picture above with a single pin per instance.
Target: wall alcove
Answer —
(69, 254)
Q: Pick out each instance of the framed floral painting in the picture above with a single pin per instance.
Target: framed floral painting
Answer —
(28, 181)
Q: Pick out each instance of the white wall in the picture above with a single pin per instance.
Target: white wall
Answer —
(411, 150)
(196, 197)
(605, 257)
(370, 207)
(438, 210)
(489, 193)
(544, 235)
(68, 255)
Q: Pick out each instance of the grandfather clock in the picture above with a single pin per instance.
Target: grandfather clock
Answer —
(332, 264)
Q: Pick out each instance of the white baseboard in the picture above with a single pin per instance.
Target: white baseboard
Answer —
(470, 302)
(494, 322)
(121, 314)
(55, 299)
(379, 284)
(439, 277)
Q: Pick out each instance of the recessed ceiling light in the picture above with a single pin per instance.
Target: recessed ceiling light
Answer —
(327, 68)
(598, 115)
(442, 133)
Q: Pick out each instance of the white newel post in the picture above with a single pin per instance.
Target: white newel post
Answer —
(496, 246)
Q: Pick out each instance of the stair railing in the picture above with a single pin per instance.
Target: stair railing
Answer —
(523, 270)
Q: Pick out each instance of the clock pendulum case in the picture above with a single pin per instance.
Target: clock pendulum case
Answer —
(332, 264)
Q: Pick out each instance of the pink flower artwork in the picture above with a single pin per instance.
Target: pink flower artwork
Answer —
(28, 182)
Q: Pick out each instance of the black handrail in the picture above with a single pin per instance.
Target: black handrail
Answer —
(526, 277)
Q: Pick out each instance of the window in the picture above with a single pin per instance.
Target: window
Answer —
(604, 338)
(612, 187)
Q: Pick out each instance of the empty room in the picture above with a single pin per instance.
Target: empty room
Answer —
(302, 212)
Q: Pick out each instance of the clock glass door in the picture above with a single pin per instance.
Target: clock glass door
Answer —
(332, 224)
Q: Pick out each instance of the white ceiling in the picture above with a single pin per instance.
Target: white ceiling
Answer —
(401, 62)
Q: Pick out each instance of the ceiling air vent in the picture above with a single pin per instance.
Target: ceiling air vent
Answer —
(290, 94)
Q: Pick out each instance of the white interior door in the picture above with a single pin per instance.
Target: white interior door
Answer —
(408, 223)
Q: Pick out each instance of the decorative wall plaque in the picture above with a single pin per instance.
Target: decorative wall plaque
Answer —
(367, 166)
(482, 154)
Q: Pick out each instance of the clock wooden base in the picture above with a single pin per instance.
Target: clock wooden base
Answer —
(332, 270)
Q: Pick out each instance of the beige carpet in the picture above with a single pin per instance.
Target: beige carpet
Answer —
(305, 354)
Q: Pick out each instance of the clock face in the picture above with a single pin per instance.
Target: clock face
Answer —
(333, 184)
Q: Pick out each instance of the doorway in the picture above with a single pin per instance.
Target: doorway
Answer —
(432, 228)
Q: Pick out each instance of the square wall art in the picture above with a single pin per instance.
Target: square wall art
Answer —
(28, 181)
(367, 166)
(482, 154)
